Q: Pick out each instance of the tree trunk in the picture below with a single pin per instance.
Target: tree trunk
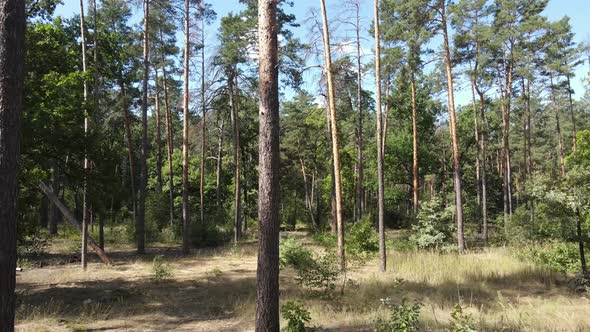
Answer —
(359, 100)
(70, 217)
(333, 227)
(579, 219)
(334, 134)
(219, 165)
(54, 214)
(572, 114)
(267, 272)
(169, 139)
(140, 224)
(185, 160)
(85, 212)
(484, 184)
(415, 169)
(158, 132)
(558, 129)
(476, 131)
(381, 198)
(101, 231)
(453, 127)
(129, 148)
(12, 33)
(235, 119)
(203, 122)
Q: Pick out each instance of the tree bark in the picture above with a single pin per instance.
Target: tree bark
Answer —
(415, 169)
(12, 33)
(359, 100)
(85, 212)
(235, 120)
(381, 193)
(334, 134)
(267, 272)
(219, 165)
(453, 127)
(185, 160)
(572, 114)
(129, 148)
(558, 129)
(169, 139)
(140, 224)
(158, 132)
(203, 122)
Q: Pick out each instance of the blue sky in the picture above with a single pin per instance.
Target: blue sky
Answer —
(577, 10)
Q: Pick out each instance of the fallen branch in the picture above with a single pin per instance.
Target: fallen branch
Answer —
(70, 217)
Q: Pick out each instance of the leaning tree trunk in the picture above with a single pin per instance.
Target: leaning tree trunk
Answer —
(12, 33)
(185, 161)
(85, 212)
(381, 192)
(453, 127)
(572, 114)
(267, 272)
(334, 134)
(140, 224)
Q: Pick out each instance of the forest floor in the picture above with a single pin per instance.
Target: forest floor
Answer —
(214, 290)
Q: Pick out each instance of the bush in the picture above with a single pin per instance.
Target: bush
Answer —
(320, 273)
(362, 239)
(209, 235)
(160, 270)
(404, 317)
(558, 256)
(434, 227)
(296, 315)
(460, 321)
(292, 253)
(33, 245)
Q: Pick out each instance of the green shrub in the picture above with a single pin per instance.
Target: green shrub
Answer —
(404, 317)
(160, 270)
(361, 239)
(434, 226)
(326, 239)
(292, 253)
(209, 235)
(321, 273)
(33, 245)
(296, 315)
(558, 256)
(460, 321)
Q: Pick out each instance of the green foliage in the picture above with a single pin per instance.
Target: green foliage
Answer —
(292, 253)
(160, 270)
(362, 239)
(460, 321)
(558, 256)
(296, 315)
(33, 245)
(404, 317)
(434, 226)
(204, 234)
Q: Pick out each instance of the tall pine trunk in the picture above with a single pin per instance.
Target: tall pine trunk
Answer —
(140, 225)
(267, 272)
(85, 210)
(185, 160)
(130, 153)
(203, 123)
(235, 120)
(415, 169)
(381, 192)
(158, 131)
(359, 102)
(169, 139)
(453, 127)
(335, 141)
(219, 164)
(12, 33)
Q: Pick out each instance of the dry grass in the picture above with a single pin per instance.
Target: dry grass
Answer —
(214, 290)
